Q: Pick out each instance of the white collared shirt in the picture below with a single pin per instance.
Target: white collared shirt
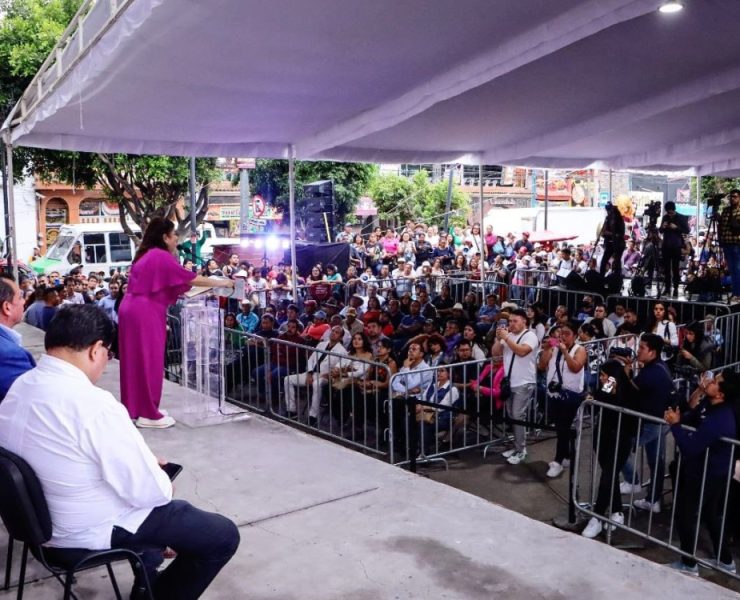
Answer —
(94, 466)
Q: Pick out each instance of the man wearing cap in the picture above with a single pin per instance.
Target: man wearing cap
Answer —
(351, 322)
(309, 310)
(331, 307)
(487, 314)
(345, 237)
(410, 325)
(316, 377)
(355, 302)
(524, 243)
(247, 319)
(313, 331)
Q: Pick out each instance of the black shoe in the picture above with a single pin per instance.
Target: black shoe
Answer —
(313, 422)
(675, 292)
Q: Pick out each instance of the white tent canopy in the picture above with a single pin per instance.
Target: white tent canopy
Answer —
(555, 83)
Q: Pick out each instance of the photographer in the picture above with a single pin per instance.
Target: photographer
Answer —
(673, 227)
(729, 239)
(613, 234)
(565, 361)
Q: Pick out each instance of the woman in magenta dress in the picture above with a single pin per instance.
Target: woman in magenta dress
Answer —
(156, 280)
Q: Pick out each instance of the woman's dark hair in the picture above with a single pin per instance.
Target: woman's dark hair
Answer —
(588, 329)
(77, 327)
(154, 236)
(366, 346)
(614, 368)
(436, 338)
(698, 330)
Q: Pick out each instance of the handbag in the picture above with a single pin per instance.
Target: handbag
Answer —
(342, 383)
(506, 381)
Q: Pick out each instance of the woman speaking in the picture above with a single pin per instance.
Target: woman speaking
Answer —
(156, 280)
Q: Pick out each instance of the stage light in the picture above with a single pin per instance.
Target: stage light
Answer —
(672, 6)
(273, 242)
(286, 244)
(258, 243)
(244, 242)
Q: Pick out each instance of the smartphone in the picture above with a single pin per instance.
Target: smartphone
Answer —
(609, 385)
(502, 324)
(172, 470)
(553, 342)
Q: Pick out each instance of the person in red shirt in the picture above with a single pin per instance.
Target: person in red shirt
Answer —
(313, 332)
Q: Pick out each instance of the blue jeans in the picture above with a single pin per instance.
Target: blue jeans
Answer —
(652, 439)
(204, 543)
(732, 255)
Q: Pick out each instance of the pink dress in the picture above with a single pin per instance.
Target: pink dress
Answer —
(156, 281)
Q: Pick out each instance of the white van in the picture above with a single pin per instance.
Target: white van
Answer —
(92, 246)
(102, 247)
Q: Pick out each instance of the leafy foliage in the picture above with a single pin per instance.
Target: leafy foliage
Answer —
(418, 198)
(143, 186)
(27, 35)
(351, 180)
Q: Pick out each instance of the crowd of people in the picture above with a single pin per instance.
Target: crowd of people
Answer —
(410, 319)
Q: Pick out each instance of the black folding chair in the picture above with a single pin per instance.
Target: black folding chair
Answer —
(24, 512)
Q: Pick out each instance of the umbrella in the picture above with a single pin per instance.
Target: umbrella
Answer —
(540, 237)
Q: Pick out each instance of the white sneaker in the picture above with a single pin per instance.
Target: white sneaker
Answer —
(163, 423)
(727, 568)
(555, 469)
(626, 488)
(616, 517)
(593, 528)
(508, 453)
(163, 412)
(517, 457)
(645, 504)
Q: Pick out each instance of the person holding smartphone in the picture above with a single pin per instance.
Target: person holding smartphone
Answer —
(517, 344)
(564, 362)
(612, 441)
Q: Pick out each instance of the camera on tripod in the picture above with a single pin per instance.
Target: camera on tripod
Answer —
(653, 211)
(713, 203)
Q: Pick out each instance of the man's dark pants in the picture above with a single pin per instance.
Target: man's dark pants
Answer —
(204, 543)
(671, 263)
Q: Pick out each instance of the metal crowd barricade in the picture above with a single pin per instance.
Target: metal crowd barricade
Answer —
(440, 429)
(173, 349)
(597, 470)
(346, 400)
(244, 354)
(685, 311)
(598, 353)
(728, 328)
(551, 297)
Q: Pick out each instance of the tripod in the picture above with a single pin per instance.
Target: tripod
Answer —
(712, 278)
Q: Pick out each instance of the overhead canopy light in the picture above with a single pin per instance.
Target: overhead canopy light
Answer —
(672, 6)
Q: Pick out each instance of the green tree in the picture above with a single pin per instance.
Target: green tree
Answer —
(351, 180)
(143, 186)
(27, 35)
(394, 196)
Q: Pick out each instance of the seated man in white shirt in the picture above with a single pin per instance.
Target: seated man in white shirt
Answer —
(316, 376)
(104, 487)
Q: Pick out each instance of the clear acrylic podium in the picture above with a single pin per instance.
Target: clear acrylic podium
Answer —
(203, 360)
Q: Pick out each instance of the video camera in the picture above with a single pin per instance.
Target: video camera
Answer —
(713, 203)
(653, 211)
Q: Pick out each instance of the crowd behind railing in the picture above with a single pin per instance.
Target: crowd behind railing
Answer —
(417, 353)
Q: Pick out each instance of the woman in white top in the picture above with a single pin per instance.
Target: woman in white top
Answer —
(565, 361)
(661, 324)
(471, 335)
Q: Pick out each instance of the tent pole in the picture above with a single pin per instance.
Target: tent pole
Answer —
(547, 200)
(482, 234)
(448, 204)
(291, 208)
(610, 185)
(193, 214)
(698, 206)
(12, 253)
